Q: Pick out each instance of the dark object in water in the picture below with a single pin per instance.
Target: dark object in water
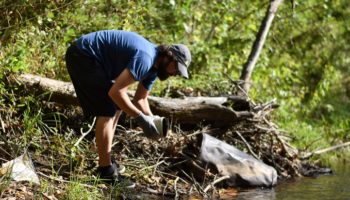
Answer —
(314, 171)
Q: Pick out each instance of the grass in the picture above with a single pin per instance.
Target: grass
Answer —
(75, 190)
(4, 183)
(305, 136)
(312, 131)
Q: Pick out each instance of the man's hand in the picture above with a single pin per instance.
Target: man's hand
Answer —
(148, 126)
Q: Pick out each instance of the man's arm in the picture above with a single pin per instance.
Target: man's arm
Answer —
(140, 99)
(118, 93)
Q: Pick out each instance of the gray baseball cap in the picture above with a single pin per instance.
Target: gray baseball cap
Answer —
(182, 55)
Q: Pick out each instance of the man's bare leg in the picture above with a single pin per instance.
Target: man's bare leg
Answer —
(116, 119)
(105, 128)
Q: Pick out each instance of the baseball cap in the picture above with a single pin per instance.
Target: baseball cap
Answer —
(182, 56)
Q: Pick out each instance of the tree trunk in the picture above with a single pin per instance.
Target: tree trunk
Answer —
(189, 110)
(258, 44)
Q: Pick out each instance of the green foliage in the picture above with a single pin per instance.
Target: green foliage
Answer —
(5, 181)
(76, 190)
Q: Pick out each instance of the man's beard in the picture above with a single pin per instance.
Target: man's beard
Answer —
(162, 73)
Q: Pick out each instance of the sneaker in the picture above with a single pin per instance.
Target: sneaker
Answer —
(109, 174)
(120, 168)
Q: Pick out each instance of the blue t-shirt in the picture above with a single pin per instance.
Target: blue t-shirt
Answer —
(116, 50)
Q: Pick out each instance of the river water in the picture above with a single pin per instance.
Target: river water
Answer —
(327, 187)
(335, 186)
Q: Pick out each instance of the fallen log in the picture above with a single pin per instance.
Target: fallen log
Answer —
(58, 91)
(326, 150)
(189, 110)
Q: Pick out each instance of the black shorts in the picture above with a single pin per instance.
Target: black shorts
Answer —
(91, 83)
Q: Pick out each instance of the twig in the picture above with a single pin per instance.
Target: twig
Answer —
(284, 145)
(242, 90)
(279, 139)
(188, 176)
(167, 90)
(238, 84)
(205, 129)
(115, 143)
(215, 182)
(198, 187)
(205, 175)
(201, 169)
(153, 191)
(155, 165)
(49, 197)
(265, 128)
(195, 133)
(268, 105)
(174, 177)
(166, 185)
(2, 125)
(63, 181)
(155, 168)
(3, 150)
(130, 165)
(85, 134)
(180, 162)
(175, 183)
(3, 159)
(196, 184)
(128, 150)
(247, 145)
(271, 150)
(318, 152)
(122, 127)
(271, 124)
(311, 143)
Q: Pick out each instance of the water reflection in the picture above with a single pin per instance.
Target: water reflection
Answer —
(257, 194)
(332, 187)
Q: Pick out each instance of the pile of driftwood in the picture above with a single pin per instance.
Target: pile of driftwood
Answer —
(171, 165)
